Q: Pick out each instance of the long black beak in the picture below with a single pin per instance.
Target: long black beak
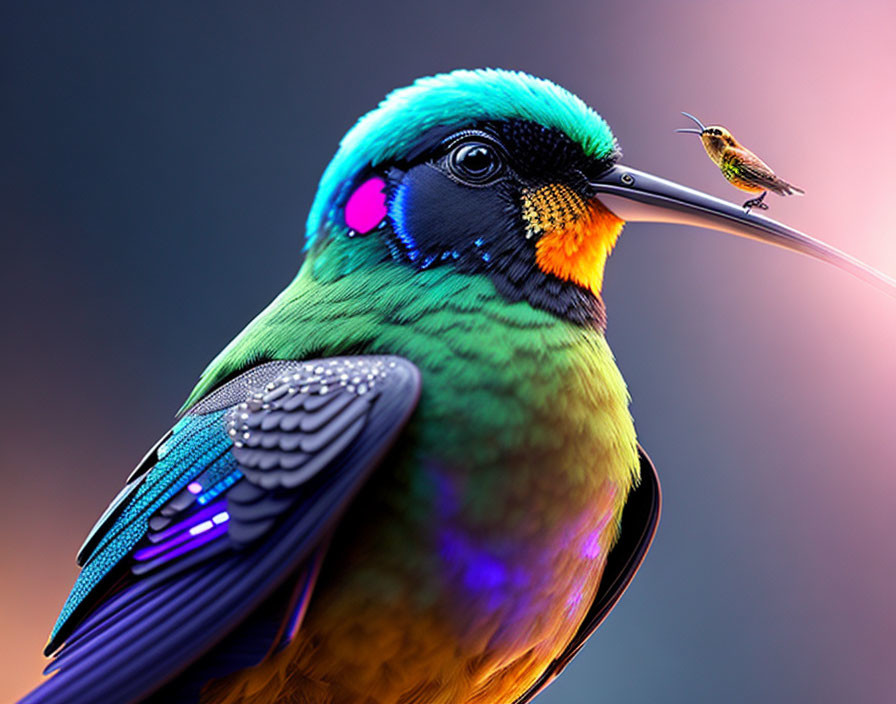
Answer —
(635, 196)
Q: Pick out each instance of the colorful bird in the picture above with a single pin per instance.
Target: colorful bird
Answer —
(414, 477)
(742, 168)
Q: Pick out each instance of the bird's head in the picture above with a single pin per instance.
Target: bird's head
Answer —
(502, 174)
(715, 138)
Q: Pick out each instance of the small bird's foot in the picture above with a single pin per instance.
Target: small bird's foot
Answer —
(756, 203)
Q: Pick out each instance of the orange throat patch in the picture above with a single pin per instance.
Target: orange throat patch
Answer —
(575, 236)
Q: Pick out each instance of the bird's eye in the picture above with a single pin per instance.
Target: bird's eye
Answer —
(474, 163)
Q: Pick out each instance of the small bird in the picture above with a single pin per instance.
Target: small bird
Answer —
(742, 168)
(414, 477)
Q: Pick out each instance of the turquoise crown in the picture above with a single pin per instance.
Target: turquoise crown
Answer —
(455, 98)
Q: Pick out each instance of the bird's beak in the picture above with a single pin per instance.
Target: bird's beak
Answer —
(691, 130)
(635, 196)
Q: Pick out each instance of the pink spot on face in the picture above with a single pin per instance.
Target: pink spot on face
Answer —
(194, 487)
(366, 207)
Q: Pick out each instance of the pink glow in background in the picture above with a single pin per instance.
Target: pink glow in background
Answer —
(155, 184)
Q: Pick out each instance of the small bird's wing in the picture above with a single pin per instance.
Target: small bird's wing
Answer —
(639, 521)
(227, 518)
(741, 166)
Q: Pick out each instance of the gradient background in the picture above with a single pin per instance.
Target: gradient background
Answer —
(156, 169)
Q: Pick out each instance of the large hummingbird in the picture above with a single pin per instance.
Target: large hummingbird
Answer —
(414, 477)
(742, 168)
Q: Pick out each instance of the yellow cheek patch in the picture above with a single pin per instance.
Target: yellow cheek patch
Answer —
(575, 236)
(551, 207)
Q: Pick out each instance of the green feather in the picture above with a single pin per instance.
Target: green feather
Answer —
(471, 344)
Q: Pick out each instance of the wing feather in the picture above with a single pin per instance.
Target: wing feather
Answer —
(743, 165)
(238, 502)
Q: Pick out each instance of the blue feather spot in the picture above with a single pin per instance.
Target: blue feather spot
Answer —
(481, 572)
(399, 225)
(222, 485)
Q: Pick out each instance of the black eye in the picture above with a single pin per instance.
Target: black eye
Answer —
(474, 163)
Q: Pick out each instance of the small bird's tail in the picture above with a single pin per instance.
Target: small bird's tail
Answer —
(783, 188)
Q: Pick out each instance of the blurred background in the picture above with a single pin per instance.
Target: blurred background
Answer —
(156, 167)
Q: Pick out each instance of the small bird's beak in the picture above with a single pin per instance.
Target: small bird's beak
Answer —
(691, 130)
(635, 196)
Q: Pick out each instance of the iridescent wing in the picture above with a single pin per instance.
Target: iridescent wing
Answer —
(220, 529)
(744, 166)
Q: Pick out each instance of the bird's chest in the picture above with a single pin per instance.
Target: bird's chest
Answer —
(516, 517)
(478, 547)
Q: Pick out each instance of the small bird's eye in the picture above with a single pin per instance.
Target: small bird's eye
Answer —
(474, 163)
